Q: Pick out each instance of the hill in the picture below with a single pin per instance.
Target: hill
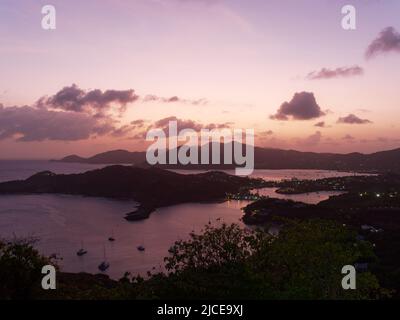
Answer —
(151, 187)
(266, 158)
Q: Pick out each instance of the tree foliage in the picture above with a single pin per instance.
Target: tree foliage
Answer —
(303, 261)
(20, 269)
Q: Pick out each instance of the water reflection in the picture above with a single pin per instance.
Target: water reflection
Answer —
(63, 222)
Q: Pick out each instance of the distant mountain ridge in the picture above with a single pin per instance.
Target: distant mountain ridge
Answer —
(266, 158)
(109, 157)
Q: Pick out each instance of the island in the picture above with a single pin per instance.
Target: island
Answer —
(151, 187)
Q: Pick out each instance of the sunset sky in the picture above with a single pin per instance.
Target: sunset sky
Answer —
(114, 68)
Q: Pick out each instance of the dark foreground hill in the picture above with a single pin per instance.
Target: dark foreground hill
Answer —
(151, 187)
(266, 158)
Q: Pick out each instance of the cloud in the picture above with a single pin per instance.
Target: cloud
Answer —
(303, 106)
(138, 123)
(201, 1)
(342, 72)
(182, 124)
(364, 110)
(173, 99)
(387, 40)
(267, 133)
(75, 114)
(348, 137)
(30, 124)
(320, 124)
(382, 139)
(99, 103)
(189, 124)
(311, 140)
(95, 102)
(353, 119)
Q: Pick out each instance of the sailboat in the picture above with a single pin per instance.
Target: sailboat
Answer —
(141, 247)
(81, 251)
(104, 265)
(111, 239)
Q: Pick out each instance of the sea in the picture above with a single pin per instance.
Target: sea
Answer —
(60, 225)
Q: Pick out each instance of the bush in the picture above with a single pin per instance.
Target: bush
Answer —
(303, 262)
(20, 269)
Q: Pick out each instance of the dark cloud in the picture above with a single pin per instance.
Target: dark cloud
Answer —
(32, 124)
(128, 128)
(98, 102)
(94, 101)
(387, 40)
(342, 72)
(320, 124)
(69, 115)
(174, 99)
(122, 131)
(138, 123)
(188, 124)
(76, 114)
(303, 106)
(212, 126)
(353, 119)
(182, 124)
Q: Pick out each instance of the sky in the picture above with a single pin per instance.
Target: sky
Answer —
(113, 69)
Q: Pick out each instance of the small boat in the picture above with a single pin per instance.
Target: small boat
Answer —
(81, 251)
(111, 239)
(104, 265)
(141, 248)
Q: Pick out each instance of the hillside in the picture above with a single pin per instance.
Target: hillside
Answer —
(270, 159)
(151, 187)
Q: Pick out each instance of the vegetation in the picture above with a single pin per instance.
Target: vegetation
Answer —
(151, 187)
(20, 270)
(303, 262)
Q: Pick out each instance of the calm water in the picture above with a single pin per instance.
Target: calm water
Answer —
(62, 222)
(277, 175)
(21, 169)
(311, 197)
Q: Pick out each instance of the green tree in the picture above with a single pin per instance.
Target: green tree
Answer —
(303, 262)
(20, 269)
